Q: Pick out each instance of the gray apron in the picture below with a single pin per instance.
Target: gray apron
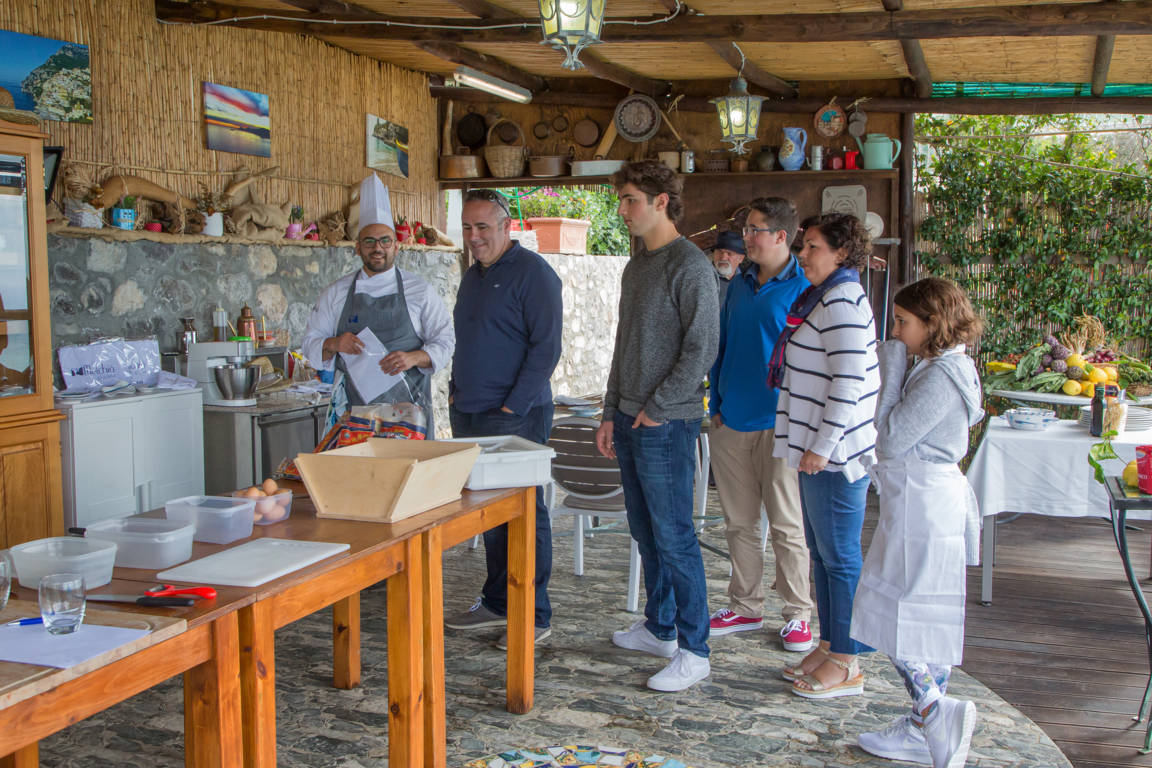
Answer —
(388, 318)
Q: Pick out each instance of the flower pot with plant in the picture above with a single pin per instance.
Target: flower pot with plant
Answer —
(213, 205)
(124, 213)
(295, 223)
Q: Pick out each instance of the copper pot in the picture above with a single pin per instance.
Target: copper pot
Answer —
(547, 165)
(461, 166)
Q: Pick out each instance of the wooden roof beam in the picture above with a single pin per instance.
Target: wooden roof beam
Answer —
(913, 56)
(1041, 20)
(1101, 61)
(959, 105)
(752, 73)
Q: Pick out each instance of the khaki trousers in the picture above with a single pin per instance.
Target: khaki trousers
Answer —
(747, 476)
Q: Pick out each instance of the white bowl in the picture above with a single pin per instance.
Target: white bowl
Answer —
(1034, 419)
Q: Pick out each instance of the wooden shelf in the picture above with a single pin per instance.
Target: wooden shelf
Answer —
(568, 181)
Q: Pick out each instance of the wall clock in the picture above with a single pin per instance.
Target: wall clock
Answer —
(637, 117)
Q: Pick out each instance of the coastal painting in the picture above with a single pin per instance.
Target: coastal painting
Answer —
(387, 146)
(52, 78)
(236, 120)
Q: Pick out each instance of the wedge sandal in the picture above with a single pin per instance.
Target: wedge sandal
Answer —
(796, 671)
(852, 685)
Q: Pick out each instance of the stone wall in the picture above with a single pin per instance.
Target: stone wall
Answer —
(137, 288)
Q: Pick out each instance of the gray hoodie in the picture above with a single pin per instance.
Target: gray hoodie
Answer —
(942, 400)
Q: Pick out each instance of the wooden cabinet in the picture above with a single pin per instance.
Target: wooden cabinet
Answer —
(30, 498)
(128, 455)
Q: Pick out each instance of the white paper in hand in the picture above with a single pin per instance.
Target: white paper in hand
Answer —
(364, 368)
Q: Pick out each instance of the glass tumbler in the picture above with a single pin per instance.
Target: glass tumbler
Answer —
(62, 602)
(6, 573)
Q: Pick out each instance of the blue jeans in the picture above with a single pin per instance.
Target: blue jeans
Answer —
(657, 467)
(833, 518)
(535, 426)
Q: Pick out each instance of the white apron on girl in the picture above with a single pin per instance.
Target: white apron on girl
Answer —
(910, 599)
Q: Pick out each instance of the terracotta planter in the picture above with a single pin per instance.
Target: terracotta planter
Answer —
(559, 235)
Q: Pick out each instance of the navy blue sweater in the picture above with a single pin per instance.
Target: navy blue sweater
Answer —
(508, 319)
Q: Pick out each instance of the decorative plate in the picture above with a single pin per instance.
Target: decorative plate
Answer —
(637, 117)
(850, 198)
(829, 120)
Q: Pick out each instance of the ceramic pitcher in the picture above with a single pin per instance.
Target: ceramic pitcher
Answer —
(879, 151)
(791, 157)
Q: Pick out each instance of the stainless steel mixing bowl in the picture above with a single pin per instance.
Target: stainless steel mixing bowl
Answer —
(236, 382)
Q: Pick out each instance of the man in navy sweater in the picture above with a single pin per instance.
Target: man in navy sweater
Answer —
(509, 316)
(743, 411)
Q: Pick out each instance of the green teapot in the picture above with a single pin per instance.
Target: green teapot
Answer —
(879, 151)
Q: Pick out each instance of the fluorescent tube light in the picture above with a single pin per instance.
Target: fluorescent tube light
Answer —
(482, 81)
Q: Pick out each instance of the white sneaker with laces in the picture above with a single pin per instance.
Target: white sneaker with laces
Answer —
(685, 670)
(901, 740)
(638, 638)
(948, 731)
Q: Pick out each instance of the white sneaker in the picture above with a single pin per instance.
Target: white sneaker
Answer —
(948, 730)
(685, 670)
(901, 740)
(638, 638)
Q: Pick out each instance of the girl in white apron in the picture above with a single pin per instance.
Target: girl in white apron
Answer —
(910, 600)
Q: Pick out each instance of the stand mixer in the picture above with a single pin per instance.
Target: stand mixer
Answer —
(203, 357)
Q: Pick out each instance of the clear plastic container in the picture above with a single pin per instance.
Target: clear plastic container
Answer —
(218, 519)
(91, 558)
(144, 542)
(269, 509)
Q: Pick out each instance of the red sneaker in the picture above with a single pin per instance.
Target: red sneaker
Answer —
(725, 622)
(797, 636)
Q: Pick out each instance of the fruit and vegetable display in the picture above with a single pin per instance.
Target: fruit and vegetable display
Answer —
(1072, 365)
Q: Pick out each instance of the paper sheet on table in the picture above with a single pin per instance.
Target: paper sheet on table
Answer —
(34, 645)
(568, 400)
(364, 368)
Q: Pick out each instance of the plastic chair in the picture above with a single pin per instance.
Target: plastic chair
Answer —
(593, 492)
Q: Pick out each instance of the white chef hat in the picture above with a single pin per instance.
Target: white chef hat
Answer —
(375, 204)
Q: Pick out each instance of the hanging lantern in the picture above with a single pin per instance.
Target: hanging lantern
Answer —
(571, 25)
(739, 114)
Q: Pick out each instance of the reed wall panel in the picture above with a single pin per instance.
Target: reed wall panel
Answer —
(146, 92)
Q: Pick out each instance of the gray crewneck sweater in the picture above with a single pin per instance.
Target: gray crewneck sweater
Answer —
(668, 334)
(933, 411)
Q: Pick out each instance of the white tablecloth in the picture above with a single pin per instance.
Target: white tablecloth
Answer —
(1054, 398)
(1044, 473)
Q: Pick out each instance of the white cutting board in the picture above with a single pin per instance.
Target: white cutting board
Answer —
(253, 562)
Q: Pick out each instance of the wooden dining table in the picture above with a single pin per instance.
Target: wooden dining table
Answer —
(228, 649)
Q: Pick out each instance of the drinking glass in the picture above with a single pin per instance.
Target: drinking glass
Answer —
(5, 577)
(62, 602)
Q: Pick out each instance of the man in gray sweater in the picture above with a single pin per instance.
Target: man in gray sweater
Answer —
(666, 341)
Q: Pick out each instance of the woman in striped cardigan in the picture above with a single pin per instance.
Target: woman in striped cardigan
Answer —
(825, 365)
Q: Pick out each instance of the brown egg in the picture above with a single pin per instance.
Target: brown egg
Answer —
(270, 486)
(257, 517)
(266, 507)
(278, 513)
(284, 498)
(253, 493)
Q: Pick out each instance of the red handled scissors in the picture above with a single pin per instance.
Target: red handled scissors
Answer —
(161, 590)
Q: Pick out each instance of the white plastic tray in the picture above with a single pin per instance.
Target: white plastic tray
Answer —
(253, 563)
(508, 461)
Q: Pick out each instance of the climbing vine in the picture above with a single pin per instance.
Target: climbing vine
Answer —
(1037, 229)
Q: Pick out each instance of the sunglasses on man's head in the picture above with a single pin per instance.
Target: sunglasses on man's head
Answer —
(491, 196)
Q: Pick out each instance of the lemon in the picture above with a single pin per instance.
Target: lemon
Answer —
(1098, 375)
(1130, 476)
(1111, 372)
(1075, 359)
(1071, 387)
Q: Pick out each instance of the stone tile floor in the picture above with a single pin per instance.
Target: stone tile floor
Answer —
(587, 691)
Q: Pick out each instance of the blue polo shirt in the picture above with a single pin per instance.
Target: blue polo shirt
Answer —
(508, 319)
(751, 319)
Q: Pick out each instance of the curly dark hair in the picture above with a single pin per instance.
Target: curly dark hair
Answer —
(653, 178)
(944, 308)
(843, 231)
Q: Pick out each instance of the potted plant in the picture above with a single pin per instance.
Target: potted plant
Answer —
(403, 230)
(124, 213)
(295, 223)
(213, 206)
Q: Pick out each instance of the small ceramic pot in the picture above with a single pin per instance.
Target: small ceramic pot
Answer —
(213, 224)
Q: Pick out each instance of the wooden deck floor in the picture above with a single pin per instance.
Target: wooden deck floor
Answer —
(1063, 640)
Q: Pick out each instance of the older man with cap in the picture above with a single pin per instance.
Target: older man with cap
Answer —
(399, 307)
(727, 255)
(509, 314)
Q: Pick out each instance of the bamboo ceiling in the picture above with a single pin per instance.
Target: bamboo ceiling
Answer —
(908, 42)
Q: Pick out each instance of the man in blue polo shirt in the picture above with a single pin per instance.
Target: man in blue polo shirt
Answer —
(743, 411)
(509, 315)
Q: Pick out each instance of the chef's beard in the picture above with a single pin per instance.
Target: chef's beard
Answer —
(726, 270)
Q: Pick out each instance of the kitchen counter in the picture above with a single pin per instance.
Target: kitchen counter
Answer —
(297, 401)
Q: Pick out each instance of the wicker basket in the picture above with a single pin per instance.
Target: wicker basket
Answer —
(505, 160)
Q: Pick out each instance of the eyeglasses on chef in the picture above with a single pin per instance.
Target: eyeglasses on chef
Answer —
(372, 242)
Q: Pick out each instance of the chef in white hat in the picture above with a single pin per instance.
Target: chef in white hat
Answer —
(400, 308)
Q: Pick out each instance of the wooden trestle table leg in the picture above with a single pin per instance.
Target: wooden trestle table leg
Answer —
(212, 718)
(346, 642)
(406, 661)
(435, 730)
(26, 757)
(258, 684)
(522, 607)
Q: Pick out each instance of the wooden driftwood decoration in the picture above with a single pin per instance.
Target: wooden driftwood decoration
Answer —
(331, 228)
(115, 187)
